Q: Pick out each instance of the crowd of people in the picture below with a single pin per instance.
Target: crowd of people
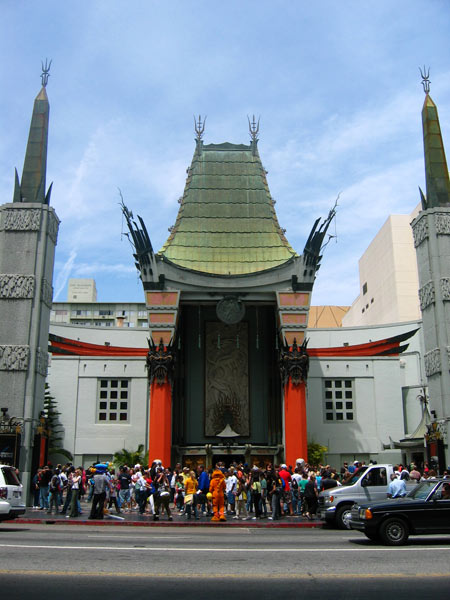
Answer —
(238, 491)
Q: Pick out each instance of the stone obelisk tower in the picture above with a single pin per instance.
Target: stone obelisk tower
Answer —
(28, 234)
(431, 229)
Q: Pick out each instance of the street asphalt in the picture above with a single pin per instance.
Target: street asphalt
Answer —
(66, 562)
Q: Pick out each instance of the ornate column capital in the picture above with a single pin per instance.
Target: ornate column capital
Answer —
(160, 362)
(294, 363)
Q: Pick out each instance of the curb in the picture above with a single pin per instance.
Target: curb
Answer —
(164, 523)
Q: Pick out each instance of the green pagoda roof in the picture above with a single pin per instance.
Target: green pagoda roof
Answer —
(226, 224)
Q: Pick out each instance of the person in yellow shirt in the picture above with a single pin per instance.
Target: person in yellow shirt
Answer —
(190, 494)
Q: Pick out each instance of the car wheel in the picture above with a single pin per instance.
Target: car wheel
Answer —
(343, 514)
(394, 532)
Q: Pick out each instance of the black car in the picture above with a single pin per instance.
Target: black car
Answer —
(425, 510)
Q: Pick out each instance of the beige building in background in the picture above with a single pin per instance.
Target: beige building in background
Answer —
(82, 308)
(388, 277)
(82, 290)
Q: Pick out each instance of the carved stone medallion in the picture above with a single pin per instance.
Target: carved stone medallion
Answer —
(230, 310)
(432, 362)
(14, 358)
(22, 219)
(445, 288)
(420, 231)
(442, 222)
(426, 295)
(16, 286)
(41, 362)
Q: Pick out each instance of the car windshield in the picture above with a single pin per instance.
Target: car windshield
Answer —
(10, 476)
(422, 490)
(356, 477)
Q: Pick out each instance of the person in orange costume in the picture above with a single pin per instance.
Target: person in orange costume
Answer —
(217, 489)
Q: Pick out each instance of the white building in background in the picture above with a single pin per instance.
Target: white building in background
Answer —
(388, 277)
(100, 314)
(103, 401)
(355, 405)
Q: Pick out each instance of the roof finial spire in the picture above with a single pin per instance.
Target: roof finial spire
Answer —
(199, 127)
(425, 79)
(253, 127)
(45, 72)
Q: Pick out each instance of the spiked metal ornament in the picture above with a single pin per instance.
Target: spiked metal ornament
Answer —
(425, 79)
(253, 127)
(199, 127)
(45, 72)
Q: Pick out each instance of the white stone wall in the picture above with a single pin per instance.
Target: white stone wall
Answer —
(73, 382)
(383, 387)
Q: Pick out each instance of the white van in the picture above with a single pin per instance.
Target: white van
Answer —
(12, 501)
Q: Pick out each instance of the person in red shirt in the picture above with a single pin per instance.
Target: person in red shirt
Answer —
(286, 477)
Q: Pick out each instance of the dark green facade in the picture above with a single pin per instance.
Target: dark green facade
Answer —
(264, 388)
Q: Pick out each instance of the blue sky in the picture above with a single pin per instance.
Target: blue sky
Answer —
(336, 85)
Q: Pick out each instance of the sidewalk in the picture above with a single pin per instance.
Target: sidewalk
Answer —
(34, 516)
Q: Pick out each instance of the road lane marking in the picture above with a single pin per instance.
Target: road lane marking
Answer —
(216, 576)
(271, 550)
(143, 537)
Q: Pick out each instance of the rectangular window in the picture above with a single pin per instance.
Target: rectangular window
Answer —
(333, 406)
(109, 410)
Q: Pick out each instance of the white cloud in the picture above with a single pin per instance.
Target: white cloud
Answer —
(63, 275)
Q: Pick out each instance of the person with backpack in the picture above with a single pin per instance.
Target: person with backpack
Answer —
(76, 483)
(162, 494)
(101, 485)
(54, 492)
(287, 496)
(275, 492)
(301, 492)
(241, 499)
(256, 494)
(263, 482)
(295, 492)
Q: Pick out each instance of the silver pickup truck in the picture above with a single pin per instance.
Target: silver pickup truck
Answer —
(368, 485)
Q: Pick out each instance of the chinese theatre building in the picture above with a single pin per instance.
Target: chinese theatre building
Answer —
(227, 300)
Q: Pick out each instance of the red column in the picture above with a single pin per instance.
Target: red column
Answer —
(42, 450)
(295, 432)
(160, 427)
